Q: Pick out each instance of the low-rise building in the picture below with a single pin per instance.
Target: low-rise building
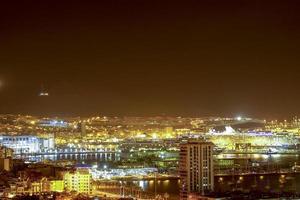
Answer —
(21, 144)
(40, 186)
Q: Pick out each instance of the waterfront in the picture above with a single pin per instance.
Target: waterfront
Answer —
(89, 158)
(281, 160)
(149, 100)
(263, 183)
(266, 183)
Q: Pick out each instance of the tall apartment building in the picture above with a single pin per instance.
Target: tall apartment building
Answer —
(79, 181)
(196, 168)
(6, 161)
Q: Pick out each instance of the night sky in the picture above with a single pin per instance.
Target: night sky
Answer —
(145, 58)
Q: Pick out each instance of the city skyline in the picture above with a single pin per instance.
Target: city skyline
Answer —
(150, 58)
(149, 100)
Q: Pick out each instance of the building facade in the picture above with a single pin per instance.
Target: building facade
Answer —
(27, 143)
(196, 168)
(6, 155)
(6, 152)
(21, 144)
(40, 186)
(79, 181)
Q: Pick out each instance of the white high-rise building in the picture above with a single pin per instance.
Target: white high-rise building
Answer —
(196, 168)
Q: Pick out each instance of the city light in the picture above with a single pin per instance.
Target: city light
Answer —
(147, 100)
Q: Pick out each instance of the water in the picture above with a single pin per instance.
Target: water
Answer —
(283, 160)
(166, 186)
(91, 158)
(267, 183)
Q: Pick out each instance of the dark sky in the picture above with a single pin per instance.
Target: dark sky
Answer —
(146, 57)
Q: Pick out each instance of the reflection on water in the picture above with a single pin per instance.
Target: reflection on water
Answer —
(275, 183)
(142, 184)
(280, 159)
(267, 183)
(78, 158)
(263, 183)
(162, 186)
